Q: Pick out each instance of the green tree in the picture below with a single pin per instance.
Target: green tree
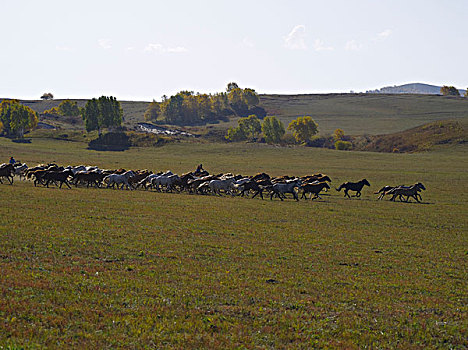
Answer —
(236, 134)
(466, 92)
(68, 108)
(1, 127)
(338, 134)
(303, 128)
(17, 118)
(91, 116)
(449, 91)
(273, 129)
(153, 111)
(110, 112)
(250, 126)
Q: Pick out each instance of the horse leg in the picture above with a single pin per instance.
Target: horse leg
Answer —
(358, 194)
(66, 183)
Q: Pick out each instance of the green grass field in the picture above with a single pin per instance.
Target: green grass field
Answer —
(96, 268)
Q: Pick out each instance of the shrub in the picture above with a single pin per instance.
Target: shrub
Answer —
(343, 145)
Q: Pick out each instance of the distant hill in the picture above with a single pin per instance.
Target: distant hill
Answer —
(415, 88)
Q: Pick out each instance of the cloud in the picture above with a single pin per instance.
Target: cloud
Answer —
(353, 45)
(319, 45)
(105, 44)
(158, 48)
(295, 39)
(384, 35)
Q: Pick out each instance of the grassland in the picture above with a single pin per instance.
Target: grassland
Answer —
(95, 268)
(357, 114)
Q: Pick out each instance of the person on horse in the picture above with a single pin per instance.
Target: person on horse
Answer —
(12, 161)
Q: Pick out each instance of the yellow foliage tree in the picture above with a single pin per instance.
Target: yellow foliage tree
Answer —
(303, 128)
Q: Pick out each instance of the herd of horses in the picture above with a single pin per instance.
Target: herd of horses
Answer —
(197, 182)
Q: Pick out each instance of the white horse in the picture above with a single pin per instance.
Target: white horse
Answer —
(21, 171)
(281, 188)
(217, 185)
(119, 179)
(165, 181)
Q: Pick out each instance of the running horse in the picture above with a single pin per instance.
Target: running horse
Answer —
(353, 186)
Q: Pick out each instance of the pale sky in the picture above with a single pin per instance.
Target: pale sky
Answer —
(141, 50)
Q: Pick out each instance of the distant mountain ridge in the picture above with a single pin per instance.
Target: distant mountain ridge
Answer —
(414, 88)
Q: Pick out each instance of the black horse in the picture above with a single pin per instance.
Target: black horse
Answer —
(353, 186)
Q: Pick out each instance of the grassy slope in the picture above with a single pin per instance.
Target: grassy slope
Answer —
(355, 113)
(102, 268)
(422, 137)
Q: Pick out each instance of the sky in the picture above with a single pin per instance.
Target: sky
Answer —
(142, 50)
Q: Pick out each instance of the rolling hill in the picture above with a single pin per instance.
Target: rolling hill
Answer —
(356, 114)
(413, 88)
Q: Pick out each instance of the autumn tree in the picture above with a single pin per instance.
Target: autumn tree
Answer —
(69, 108)
(449, 91)
(17, 118)
(273, 129)
(153, 111)
(237, 102)
(251, 97)
(338, 134)
(303, 128)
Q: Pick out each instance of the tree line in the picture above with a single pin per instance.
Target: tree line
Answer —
(188, 108)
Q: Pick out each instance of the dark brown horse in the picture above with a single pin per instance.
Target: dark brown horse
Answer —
(248, 186)
(7, 171)
(90, 178)
(353, 186)
(411, 191)
(58, 176)
(313, 189)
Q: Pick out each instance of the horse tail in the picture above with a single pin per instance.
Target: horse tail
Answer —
(106, 179)
(339, 188)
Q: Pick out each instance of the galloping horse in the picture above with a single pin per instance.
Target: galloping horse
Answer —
(249, 185)
(7, 171)
(217, 185)
(353, 186)
(281, 188)
(60, 176)
(118, 179)
(313, 188)
(411, 191)
(384, 190)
